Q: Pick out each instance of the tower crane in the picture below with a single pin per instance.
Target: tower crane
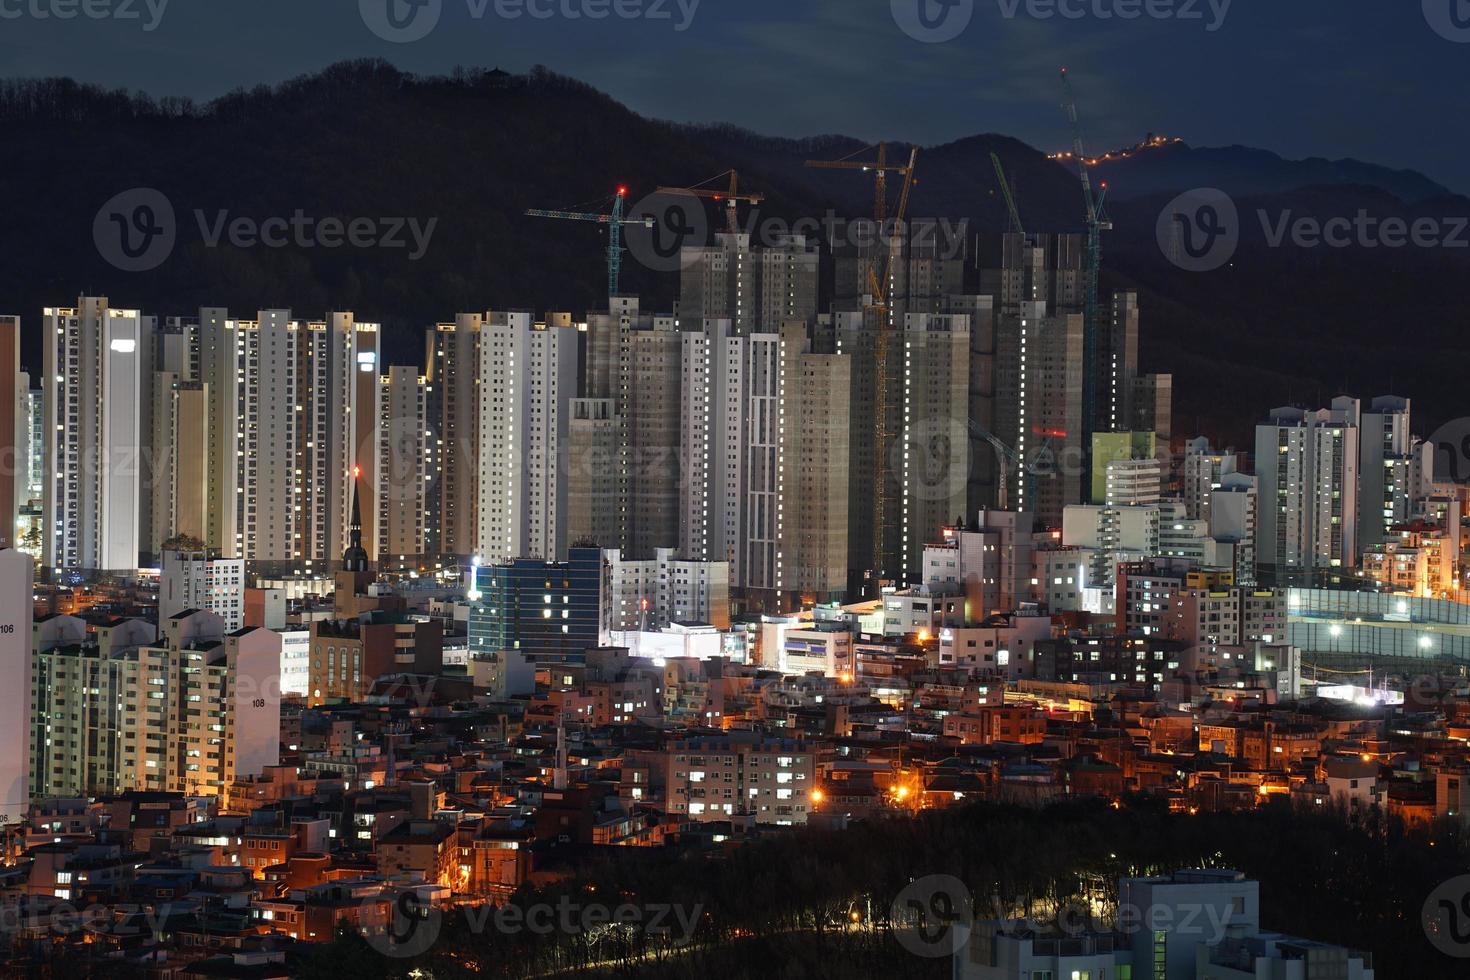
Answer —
(1097, 222)
(731, 197)
(614, 220)
(885, 402)
(1005, 189)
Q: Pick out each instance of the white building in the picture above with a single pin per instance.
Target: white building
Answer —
(990, 565)
(528, 377)
(730, 437)
(215, 694)
(1166, 918)
(1390, 467)
(824, 647)
(95, 382)
(1307, 471)
(666, 589)
(197, 581)
(1233, 517)
(1015, 951)
(1204, 472)
(295, 661)
(680, 641)
(15, 695)
(292, 417)
(1007, 648)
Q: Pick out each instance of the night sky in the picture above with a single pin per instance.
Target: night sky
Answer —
(1363, 78)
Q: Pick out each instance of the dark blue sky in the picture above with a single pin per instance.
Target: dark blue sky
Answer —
(1364, 78)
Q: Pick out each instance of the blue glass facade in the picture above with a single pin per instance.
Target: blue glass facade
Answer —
(552, 611)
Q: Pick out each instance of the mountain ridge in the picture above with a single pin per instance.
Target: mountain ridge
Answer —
(475, 149)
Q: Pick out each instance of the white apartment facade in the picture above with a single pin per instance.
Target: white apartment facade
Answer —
(192, 580)
(287, 432)
(1307, 473)
(666, 589)
(96, 374)
(528, 378)
(187, 713)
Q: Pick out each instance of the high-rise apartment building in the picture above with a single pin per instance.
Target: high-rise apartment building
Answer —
(597, 491)
(14, 431)
(1204, 471)
(1389, 461)
(406, 464)
(755, 287)
(634, 359)
(933, 464)
(1153, 405)
(528, 378)
(16, 638)
(816, 468)
(453, 378)
(1307, 471)
(1038, 394)
(923, 262)
(96, 376)
(186, 713)
(179, 461)
(1233, 517)
(873, 340)
(732, 507)
(1043, 269)
(285, 432)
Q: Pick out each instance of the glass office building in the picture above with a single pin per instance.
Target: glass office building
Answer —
(553, 611)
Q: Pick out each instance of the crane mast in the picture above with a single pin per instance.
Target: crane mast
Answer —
(1094, 201)
(879, 304)
(615, 221)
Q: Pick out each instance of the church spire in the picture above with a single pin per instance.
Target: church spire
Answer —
(355, 558)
